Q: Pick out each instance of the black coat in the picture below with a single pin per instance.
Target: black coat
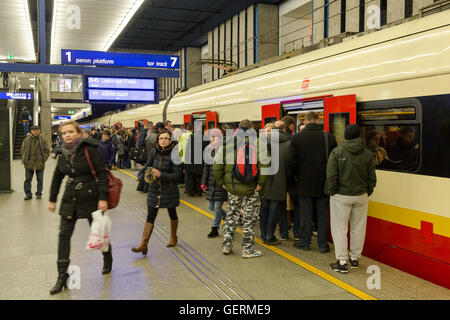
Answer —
(79, 203)
(307, 159)
(214, 192)
(165, 188)
(194, 165)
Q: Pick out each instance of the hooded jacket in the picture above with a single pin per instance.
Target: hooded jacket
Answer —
(351, 169)
(79, 202)
(108, 151)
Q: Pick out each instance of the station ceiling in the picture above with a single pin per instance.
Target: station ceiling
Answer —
(163, 25)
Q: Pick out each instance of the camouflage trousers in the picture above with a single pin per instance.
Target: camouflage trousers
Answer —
(249, 206)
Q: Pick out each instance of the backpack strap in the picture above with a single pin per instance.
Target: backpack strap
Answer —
(88, 158)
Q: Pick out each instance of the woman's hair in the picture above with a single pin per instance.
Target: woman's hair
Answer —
(70, 123)
(270, 124)
(107, 132)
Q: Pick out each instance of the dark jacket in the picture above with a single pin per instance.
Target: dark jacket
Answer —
(108, 151)
(25, 115)
(406, 154)
(150, 142)
(34, 152)
(351, 169)
(79, 203)
(223, 171)
(194, 165)
(214, 192)
(276, 185)
(165, 188)
(307, 159)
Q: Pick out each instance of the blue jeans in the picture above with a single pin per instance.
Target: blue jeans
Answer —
(26, 127)
(219, 213)
(309, 205)
(270, 214)
(29, 178)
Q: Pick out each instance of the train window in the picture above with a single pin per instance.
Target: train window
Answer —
(338, 123)
(387, 114)
(393, 146)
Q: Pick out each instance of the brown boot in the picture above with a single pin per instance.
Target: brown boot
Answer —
(173, 233)
(143, 246)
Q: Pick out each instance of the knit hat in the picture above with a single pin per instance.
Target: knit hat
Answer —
(35, 128)
(353, 131)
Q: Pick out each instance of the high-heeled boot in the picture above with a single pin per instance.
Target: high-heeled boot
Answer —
(173, 233)
(107, 261)
(63, 276)
(143, 246)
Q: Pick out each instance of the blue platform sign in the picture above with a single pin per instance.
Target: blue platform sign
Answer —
(16, 95)
(62, 118)
(119, 59)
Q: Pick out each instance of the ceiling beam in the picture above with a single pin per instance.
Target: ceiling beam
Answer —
(154, 29)
(183, 9)
(169, 20)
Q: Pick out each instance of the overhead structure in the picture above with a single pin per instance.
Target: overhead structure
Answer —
(16, 38)
(89, 25)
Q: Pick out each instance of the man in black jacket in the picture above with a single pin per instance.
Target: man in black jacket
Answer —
(308, 162)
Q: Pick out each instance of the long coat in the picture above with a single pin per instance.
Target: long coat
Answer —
(214, 192)
(37, 154)
(82, 192)
(163, 192)
(307, 159)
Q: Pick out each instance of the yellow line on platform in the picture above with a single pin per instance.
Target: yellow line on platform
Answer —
(316, 271)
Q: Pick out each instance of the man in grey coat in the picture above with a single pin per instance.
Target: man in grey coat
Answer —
(273, 202)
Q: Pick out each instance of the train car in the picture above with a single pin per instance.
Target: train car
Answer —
(385, 80)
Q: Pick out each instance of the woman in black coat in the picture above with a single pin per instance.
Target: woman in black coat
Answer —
(163, 190)
(215, 194)
(82, 196)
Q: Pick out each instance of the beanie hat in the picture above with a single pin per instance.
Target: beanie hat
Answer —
(353, 131)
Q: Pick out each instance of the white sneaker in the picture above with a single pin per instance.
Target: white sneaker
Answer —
(226, 251)
(254, 254)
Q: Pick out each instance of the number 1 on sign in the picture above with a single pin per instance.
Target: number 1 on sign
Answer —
(174, 60)
(69, 56)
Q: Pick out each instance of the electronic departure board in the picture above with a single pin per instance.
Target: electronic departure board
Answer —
(120, 90)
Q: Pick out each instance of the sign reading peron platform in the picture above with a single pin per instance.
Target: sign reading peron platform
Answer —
(119, 59)
(16, 95)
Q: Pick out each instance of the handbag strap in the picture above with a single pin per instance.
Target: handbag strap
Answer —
(88, 158)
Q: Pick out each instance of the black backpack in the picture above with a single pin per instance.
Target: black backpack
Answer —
(245, 168)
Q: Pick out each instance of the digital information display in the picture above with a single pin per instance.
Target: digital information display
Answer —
(119, 59)
(16, 95)
(120, 90)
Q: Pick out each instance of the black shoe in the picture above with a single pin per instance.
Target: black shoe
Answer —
(214, 232)
(326, 250)
(28, 197)
(273, 242)
(299, 246)
(39, 196)
(338, 267)
(63, 276)
(353, 263)
(107, 261)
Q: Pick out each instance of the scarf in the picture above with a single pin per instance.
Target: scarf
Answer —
(69, 149)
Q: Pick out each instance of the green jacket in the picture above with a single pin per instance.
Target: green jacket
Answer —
(223, 171)
(351, 170)
(34, 152)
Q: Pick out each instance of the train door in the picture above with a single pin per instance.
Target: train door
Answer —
(118, 126)
(211, 120)
(186, 120)
(270, 113)
(208, 119)
(141, 123)
(339, 112)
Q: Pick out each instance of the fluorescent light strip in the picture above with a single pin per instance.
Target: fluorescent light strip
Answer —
(55, 5)
(124, 23)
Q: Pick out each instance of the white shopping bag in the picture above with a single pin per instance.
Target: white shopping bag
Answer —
(100, 230)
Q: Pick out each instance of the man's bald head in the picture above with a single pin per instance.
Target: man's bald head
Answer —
(280, 125)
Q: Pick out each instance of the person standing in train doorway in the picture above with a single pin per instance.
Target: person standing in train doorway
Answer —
(82, 196)
(308, 162)
(162, 174)
(351, 179)
(35, 153)
(241, 195)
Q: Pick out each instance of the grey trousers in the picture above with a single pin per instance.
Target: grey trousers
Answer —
(342, 210)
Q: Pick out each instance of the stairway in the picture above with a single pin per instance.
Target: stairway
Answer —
(19, 127)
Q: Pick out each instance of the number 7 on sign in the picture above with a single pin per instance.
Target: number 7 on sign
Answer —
(174, 60)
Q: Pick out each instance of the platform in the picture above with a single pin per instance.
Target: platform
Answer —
(194, 269)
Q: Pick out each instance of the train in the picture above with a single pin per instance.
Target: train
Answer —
(384, 80)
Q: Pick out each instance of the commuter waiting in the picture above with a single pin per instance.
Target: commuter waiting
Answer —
(351, 179)
(308, 163)
(107, 149)
(405, 150)
(25, 118)
(163, 175)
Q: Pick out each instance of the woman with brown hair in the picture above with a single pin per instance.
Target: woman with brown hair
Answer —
(163, 191)
(82, 196)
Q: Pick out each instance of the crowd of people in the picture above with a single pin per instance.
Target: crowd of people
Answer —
(314, 176)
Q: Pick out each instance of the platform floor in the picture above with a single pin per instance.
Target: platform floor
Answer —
(194, 269)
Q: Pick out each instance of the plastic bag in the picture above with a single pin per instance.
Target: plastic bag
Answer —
(100, 231)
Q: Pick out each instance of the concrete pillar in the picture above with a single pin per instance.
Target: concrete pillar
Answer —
(222, 46)
(217, 48)
(228, 43)
(193, 66)
(235, 39)
(45, 111)
(242, 39)
(334, 21)
(268, 31)
(250, 36)
(352, 16)
(210, 54)
(367, 16)
(395, 10)
(318, 20)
